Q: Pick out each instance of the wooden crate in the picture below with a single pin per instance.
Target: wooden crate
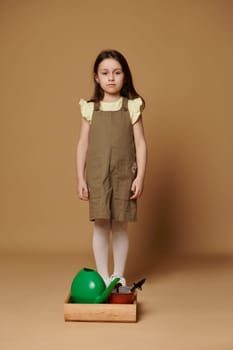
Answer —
(100, 312)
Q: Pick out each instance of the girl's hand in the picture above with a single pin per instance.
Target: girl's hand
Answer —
(137, 188)
(83, 190)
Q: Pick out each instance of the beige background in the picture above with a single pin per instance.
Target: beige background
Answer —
(180, 54)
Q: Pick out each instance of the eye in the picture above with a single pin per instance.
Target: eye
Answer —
(118, 72)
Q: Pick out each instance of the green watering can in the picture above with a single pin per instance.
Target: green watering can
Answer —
(88, 287)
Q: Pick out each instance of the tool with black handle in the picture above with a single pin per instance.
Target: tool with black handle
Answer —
(138, 285)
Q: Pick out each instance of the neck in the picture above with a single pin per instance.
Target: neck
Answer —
(111, 98)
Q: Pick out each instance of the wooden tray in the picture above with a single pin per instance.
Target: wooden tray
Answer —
(100, 312)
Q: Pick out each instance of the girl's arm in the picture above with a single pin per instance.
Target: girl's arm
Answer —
(81, 159)
(141, 157)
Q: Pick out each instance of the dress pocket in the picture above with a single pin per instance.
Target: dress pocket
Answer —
(125, 174)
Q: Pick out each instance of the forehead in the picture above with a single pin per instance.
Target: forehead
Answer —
(109, 64)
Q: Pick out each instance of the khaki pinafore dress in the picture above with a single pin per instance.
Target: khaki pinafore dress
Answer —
(111, 165)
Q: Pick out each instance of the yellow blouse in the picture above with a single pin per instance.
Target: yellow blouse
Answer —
(134, 107)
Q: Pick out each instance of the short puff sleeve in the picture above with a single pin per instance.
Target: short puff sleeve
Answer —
(135, 109)
(87, 109)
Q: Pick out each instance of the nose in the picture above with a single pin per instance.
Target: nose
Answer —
(111, 77)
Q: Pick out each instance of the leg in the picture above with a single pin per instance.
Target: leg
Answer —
(120, 244)
(101, 232)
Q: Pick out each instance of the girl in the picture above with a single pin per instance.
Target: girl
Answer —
(111, 159)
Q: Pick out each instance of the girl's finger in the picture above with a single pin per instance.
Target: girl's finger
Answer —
(134, 196)
(85, 193)
(133, 188)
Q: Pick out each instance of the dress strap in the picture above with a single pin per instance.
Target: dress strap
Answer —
(125, 104)
(96, 106)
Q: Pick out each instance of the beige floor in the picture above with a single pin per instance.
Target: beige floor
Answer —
(185, 304)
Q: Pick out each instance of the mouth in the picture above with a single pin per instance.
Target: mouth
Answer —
(111, 84)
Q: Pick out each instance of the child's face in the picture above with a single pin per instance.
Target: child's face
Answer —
(110, 77)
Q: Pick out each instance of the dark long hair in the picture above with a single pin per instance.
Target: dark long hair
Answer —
(128, 89)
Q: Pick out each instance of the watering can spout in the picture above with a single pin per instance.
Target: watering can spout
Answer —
(104, 296)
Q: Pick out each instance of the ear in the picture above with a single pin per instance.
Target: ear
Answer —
(97, 79)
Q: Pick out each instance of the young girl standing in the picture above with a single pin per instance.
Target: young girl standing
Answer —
(111, 159)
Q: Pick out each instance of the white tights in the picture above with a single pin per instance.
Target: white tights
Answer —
(120, 244)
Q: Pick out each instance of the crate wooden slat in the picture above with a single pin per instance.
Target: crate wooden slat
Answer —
(100, 312)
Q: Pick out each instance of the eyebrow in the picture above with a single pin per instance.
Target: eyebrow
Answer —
(102, 69)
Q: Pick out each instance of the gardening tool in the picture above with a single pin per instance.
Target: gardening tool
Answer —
(125, 294)
(88, 287)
